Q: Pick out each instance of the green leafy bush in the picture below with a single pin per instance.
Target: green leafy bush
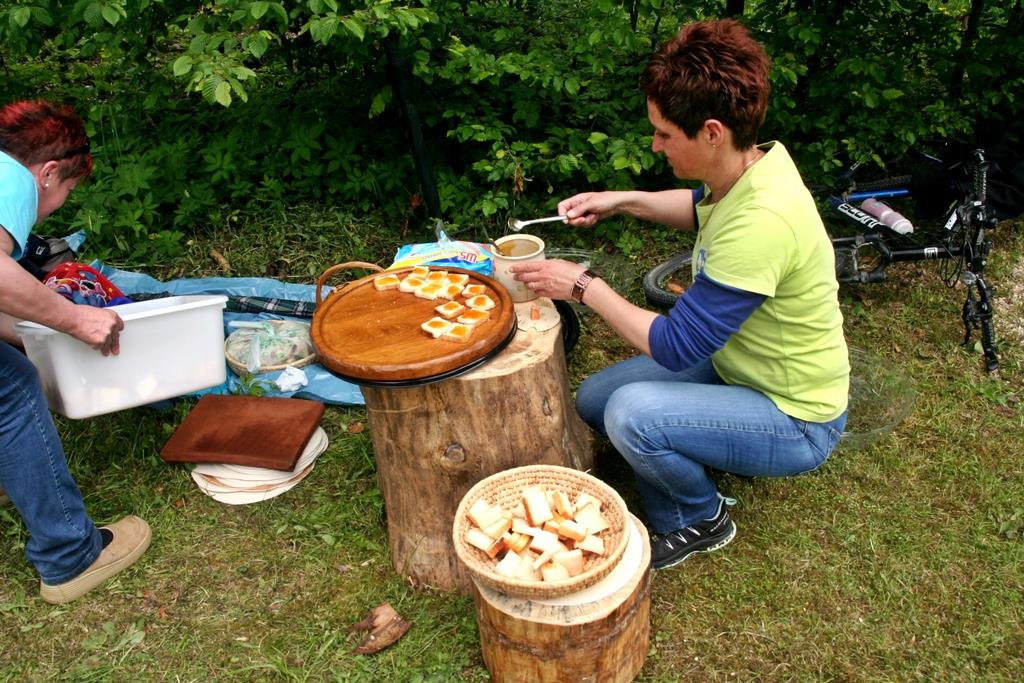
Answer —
(200, 110)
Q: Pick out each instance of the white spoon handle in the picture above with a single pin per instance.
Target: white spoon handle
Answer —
(519, 225)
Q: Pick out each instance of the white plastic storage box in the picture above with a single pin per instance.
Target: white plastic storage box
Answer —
(169, 347)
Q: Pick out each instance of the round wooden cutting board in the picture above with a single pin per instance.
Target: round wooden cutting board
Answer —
(371, 337)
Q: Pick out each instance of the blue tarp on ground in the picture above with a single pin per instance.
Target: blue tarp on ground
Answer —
(323, 386)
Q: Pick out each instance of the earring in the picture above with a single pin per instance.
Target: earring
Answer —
(46, 186)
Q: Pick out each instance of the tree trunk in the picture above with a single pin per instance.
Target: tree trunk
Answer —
(433, 442)
(603, 639)
(956, 78)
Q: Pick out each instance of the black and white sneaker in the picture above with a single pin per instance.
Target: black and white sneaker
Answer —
(669, 549)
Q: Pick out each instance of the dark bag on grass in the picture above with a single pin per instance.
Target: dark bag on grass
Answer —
(1006, 181)
(932, 185)
(43, 254)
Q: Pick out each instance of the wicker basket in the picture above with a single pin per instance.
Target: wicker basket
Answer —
(240, 369)
(505, 489)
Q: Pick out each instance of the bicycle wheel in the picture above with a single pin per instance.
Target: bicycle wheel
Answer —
(658, 282)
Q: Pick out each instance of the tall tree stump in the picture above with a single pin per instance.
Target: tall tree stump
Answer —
(599, 635)
(433, 442)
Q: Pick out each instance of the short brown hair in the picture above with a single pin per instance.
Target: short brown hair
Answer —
(37, 131)
(711, 70)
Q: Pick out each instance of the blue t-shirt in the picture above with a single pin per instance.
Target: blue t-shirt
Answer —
(19, 201)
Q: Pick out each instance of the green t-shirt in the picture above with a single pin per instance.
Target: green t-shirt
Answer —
(766, 236)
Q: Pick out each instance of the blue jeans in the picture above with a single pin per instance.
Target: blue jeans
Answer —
(63, 541)
(671, 426)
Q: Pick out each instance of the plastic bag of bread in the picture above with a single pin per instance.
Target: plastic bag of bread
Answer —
(268, 345)
(445, 253)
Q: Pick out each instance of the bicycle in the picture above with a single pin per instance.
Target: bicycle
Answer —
(862, 257)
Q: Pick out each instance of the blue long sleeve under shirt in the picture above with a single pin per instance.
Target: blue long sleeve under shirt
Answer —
(700, 323)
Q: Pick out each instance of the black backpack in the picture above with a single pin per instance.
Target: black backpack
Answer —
(43, 254)
(1006, 181)
(932, 184)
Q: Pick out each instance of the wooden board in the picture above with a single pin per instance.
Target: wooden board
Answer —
(374, 337)
(255, 431)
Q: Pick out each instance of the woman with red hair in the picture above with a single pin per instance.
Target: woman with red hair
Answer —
(748, 373)
(44, 154)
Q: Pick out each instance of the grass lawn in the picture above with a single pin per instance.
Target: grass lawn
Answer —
(903, 560)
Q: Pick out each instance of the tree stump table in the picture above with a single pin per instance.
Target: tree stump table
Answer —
(433, 442)
(599, 635)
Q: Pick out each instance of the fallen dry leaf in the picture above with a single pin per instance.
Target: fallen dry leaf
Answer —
(385, 626)
(356, 428)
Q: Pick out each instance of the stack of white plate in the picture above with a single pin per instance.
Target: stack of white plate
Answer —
(240, 485)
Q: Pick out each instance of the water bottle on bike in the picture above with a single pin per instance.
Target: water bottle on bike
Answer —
(887, 215)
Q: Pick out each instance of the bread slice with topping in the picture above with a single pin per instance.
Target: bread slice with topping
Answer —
(436, 326)
(481, 302)
(386, 282)
(429, 290)
(411, 283)
(458, 333)
(450, 310)
(473, 316)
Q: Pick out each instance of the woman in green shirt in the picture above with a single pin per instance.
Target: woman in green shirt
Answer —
(748, 373)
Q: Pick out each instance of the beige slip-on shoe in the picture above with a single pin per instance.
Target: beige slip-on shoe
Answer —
(131, 538)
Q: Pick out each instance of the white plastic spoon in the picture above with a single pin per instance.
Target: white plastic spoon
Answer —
(517, 225)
